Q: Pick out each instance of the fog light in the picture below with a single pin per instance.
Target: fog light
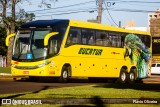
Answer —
(52, 73)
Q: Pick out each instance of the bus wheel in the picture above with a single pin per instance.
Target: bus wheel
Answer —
(64, 75)
(131, 77)
(123, 77)
(14, 79)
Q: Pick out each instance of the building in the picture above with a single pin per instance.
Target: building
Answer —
(131, 25)
(154, 23)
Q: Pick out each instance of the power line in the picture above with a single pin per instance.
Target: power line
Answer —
(68, 12)
(124, 1)
(89, 9)
(94, 9)
(110, 14)
(137, 4)
(111, 23)
(78, 4)
(61, 7)
(131, 10)
(73, 11)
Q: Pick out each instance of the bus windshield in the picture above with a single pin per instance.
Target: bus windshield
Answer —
(29, 44)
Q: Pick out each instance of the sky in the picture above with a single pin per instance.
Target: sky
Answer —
(113, 10)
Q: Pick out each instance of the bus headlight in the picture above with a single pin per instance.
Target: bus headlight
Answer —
(13, 65)
(44, 63)
(41, 65)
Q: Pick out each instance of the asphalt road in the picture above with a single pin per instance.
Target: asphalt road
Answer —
(153, 79)
(10, 86)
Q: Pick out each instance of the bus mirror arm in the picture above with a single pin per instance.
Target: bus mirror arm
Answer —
(8, 37)
(46, 38)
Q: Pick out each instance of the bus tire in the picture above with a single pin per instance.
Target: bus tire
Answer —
(123, 76)
(14, 79)
(64, 75)
(131, 76)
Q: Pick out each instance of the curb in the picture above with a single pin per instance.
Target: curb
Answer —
(5, 76)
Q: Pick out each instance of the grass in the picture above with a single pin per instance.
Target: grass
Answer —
(100, 90)
(90, 91)
(5, 70)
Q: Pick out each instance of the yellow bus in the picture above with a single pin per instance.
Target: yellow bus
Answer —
(68, 48)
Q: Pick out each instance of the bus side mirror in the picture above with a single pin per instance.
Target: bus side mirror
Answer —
(8, 37)
(46, 38)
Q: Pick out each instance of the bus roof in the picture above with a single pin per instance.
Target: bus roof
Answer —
(104, 27)
(47, 23)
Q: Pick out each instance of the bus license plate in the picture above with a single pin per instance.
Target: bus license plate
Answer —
(25, 72)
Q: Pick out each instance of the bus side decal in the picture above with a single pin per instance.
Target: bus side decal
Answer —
(90, 51)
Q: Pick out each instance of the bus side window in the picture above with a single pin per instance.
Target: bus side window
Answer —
(91, 39)
(84, 39)
(115, 39)
(87, 36)
(123, 35)
(119, 40)
(99, 38)
(111, 39)
(73, 36)
(106, 41)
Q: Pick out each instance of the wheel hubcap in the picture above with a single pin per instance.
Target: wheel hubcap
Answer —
(123, 76)
(65, 75)
(132, 76)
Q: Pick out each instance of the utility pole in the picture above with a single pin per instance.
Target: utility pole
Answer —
(119, 23)
(99, 18)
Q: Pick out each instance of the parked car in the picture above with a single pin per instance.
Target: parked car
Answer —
(155, 68)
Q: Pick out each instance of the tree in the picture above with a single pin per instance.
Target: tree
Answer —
(4, 4)
(10, 22)
(9, 26)
(20, 19)
(3, 48)
(24, 16)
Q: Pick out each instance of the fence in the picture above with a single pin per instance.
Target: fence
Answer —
(3, 61)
